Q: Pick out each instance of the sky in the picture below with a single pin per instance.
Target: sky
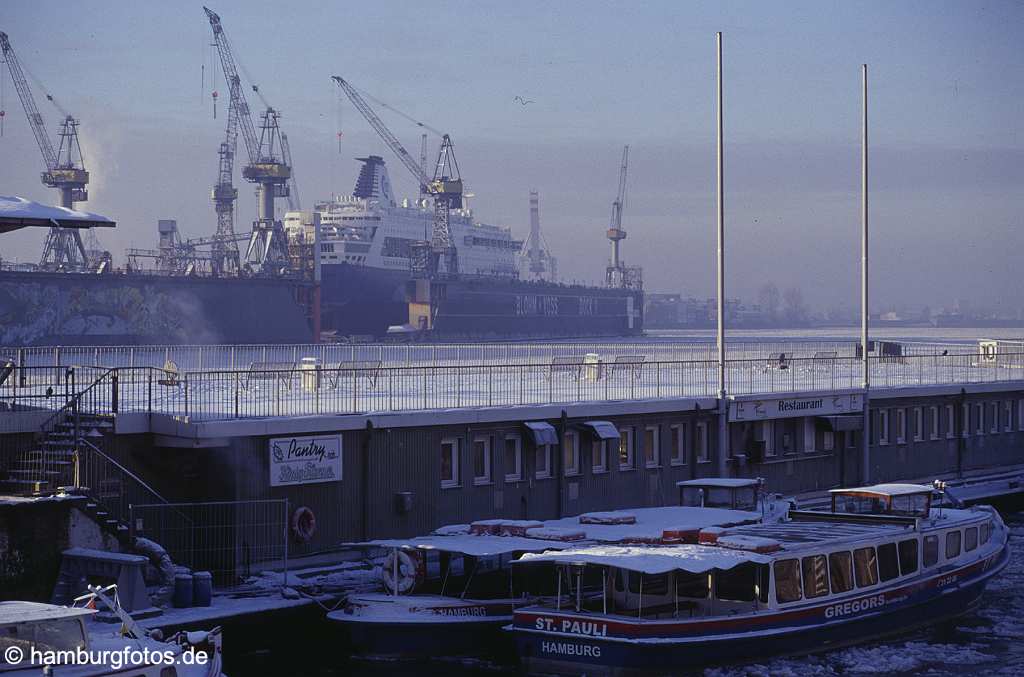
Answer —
(946, 102)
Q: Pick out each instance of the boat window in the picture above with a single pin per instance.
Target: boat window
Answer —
(908, 556)
(952, 544)
(815, 576)
(736, 584)
(931, 550)
(718, 497)
(620, 586)
(694, 586)
(656, 584)
(58, 634)
(986, 531)
(634, 581)
(840, 571)
(970, 539)
(763, 582)
(888, 565)
(915, 505)
(865, 566)
(787, 580)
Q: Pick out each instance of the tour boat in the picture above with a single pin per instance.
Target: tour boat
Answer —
(451, 592)
(883, 561)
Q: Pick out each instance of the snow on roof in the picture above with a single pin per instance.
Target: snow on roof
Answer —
(886, 489)
(19, 212)
(728, 482)
(484, 545)
(30, 612)
(696, 559)
(652, 522)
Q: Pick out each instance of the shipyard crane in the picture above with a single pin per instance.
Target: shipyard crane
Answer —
(225, 259)
(65, 169)
(445, 187)
(618, 273)
(268, 246)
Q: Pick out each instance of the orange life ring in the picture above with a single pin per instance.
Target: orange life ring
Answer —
(303, 524)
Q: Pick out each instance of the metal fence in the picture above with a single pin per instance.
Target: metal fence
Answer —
(233, 540)
(355, 388)
(233, 357)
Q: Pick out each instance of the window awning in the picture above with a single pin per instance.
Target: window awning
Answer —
(543, 432)
(844, 422)
(603, 430)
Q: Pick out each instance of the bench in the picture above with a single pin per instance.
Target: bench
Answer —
(824, 358)
(336, 371)
(632, 364)
(778, 361)
(282, 372)
(571, 365)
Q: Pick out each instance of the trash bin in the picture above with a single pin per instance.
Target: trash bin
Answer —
(592, 367)
(182, 590)
(202, 588)
(309, 369)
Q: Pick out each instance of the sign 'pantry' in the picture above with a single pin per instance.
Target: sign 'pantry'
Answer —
(305, 460)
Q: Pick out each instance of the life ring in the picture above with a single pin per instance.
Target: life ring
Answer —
(303, 524)
(410, 571)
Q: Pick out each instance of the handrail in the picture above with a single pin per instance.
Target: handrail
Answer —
(126, 471)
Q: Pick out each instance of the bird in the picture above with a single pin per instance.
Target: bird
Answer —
(520, 100)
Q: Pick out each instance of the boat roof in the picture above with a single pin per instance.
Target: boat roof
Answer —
(483, 545)
(31, 612)
(696, 559)
(887, 489)
(17, 212)
(726, 482)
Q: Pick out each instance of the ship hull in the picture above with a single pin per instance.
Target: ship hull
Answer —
(38, 308)
(365, 300)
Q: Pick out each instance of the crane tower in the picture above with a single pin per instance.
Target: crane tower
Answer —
(268, 168)
(619, 275)
(65, 169)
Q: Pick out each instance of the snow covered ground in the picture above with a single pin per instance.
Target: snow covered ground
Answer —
(217, 395)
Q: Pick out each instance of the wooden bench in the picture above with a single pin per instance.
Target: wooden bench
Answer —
(282, 372)
(336, 371)
(570, 364)
(632, 364)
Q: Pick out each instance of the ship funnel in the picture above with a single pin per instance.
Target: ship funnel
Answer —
(373, 182)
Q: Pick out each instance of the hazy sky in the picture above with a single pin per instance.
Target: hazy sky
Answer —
(947, 105)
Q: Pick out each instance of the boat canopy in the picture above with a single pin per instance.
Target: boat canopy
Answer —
(603, 430)
(695, 559)
(887, 490)
(34, 612)
(542, 431)
(475, 546)
(724, 482)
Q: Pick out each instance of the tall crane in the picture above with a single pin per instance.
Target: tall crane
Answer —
(445, 187)
(224, 259)
(65, 169)
(268, 246)
(618, 274)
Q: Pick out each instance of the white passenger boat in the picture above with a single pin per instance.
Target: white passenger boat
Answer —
(452, 591)
(883, 561)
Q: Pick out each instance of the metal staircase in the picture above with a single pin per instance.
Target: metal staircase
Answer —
(69, 456)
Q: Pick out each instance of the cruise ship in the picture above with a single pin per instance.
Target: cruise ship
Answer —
(364, 242)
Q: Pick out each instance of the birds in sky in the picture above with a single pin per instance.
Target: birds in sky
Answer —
(521, 101)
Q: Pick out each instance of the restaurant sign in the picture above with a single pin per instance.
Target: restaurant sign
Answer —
(791, 407)
(305, 460)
